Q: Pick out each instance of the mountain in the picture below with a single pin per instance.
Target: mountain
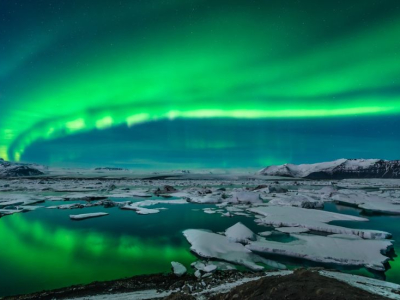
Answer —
(10, 169)
(338, 169)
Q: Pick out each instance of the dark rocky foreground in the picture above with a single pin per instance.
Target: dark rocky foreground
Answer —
(302, 285)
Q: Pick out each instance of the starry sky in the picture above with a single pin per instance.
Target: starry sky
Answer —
(167, 84)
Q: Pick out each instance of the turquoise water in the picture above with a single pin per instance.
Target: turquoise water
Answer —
(44, 249)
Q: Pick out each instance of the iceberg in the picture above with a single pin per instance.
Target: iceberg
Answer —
(87, 216)
(239, 233)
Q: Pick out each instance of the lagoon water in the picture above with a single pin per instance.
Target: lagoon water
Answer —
(44, 249)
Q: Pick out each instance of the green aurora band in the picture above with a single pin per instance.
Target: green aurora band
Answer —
(106, 65)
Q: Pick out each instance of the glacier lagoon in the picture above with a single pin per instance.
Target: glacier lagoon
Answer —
(44, 249)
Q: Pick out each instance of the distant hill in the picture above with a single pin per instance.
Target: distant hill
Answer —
(338, 169)
(11, 169)
(110, 169)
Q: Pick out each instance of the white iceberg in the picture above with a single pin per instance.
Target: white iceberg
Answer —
(178, 268)
(239, 233)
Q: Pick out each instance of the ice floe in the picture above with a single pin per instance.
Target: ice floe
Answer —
(369, 202)
(178, 268)
(349, 252)
(292, 229)
(298, 200)
(87, 216)
(211, 245)
(286, 216)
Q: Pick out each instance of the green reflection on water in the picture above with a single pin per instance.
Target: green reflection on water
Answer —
(38, 254)
(44, 249)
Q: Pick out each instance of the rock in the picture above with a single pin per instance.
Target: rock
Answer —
(179, 296)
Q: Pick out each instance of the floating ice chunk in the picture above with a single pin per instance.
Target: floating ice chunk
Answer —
(211, 265)
(6, 212)
(210, 268)
(227, 214)
(368, 202)
(130, 194)
(239, 233)
(292, 229)
(140, 194)
(345, 236)
(223, 266)
(199, 265)
(298, 200)
(29, 207)
(140, 210)
(68, 206)
(155, 202)
(265, 233)
(209, 211)
(287, 216)
(350, 252)
(210, 245)
(197, 273)
(246, 197)
(234, 209)
(242, 214)
(209, 198)
(147, 211)
(178, 268)
(87, 216)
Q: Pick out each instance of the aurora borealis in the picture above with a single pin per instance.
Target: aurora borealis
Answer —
(198, 83)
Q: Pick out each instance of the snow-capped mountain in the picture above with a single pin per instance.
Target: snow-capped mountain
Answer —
(10, 169)
(338, 169)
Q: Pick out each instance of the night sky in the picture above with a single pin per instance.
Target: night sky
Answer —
(172, 84)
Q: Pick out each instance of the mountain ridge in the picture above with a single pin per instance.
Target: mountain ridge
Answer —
(337, 169)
